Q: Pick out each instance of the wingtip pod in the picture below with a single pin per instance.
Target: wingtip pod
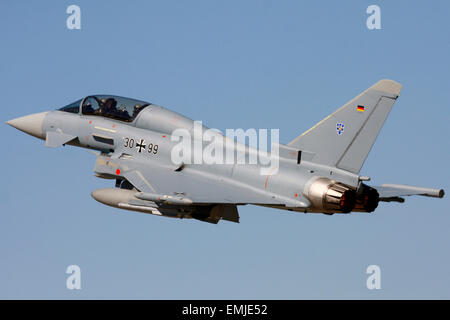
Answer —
(402, 190)
(435, 193)
(389, 86)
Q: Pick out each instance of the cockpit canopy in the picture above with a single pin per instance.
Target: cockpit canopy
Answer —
(115, 107)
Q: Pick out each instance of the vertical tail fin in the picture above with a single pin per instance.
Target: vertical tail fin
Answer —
(345, 137)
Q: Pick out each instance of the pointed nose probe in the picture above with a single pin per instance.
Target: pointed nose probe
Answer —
(31, 124)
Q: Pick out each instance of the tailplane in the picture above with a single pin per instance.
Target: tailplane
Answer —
(345, 137)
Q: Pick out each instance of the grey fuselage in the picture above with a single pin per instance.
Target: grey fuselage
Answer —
(155, 125)
(139, 147)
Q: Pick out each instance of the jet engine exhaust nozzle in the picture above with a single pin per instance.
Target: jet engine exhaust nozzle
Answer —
(329, 196)
(367, 199)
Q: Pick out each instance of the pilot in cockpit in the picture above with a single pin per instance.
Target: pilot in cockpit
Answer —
(87, 107)
(108, 106)
(136, 110)
(123, 113)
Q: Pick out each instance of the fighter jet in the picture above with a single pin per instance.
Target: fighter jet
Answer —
(317, 172)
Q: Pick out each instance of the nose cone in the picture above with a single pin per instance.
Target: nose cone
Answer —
(31, 124)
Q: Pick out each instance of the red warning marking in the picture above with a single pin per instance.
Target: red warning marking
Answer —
(268, 176)
(90, 121)
(118, 171)
(296, 195)
(113, 125)
(163, 136)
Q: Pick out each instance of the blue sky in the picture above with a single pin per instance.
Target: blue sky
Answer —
(231, 64)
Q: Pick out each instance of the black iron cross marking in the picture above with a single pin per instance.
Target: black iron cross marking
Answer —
(141, 145)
